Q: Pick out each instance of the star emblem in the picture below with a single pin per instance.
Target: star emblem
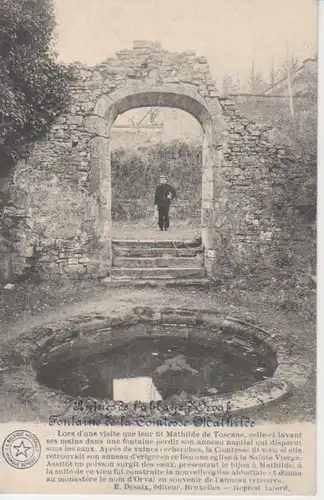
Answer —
(21, 449)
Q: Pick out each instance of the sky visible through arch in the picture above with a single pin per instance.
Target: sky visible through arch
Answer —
(230, 33)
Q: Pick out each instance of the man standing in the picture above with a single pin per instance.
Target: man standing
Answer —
(164, 194)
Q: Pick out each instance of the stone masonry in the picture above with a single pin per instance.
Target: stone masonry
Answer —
(61, 195)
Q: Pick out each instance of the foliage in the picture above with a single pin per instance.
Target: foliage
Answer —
(301, 129)
(299, 132)
(256, 82)
(278, 74)
(33, 85)
(135, 174)
(229, 86)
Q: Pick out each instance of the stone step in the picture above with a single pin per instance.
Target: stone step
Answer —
(152, 283)
(156, 273)
(158, 262)
(156, 243)
(157, 252)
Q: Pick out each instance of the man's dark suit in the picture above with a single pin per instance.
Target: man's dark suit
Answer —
(164, 193)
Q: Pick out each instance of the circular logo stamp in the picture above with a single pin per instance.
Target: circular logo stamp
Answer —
(21, 449)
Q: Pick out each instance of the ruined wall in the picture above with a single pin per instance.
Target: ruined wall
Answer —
(253, 170)
(57, 192)
(299, 133)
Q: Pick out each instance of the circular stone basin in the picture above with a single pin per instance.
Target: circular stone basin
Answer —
(182, 361)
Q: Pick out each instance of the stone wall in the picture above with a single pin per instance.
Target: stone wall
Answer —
(298, 133)
(61, 193)
(253, 178)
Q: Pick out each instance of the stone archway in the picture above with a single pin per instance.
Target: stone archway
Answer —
(61, 194)
(99, 123)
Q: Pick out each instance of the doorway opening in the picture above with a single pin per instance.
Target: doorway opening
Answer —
(132, 97)
(144, 144)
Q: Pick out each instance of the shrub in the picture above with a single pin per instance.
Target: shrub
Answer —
(33, 87)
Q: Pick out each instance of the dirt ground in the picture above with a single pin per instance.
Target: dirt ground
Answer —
(32, 304)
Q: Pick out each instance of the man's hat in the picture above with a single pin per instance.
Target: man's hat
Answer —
(163, 177)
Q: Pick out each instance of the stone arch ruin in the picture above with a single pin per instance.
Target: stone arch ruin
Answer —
(63, 190)
(131, 96)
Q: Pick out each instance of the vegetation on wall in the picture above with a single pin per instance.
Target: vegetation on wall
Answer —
(300, 128)
(33, 86)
